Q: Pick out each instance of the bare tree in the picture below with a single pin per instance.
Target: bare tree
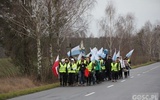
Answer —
(66, 19)
(120, 30)
(53, 18)
(130, 29)
(157, 41)
(107, 24)
(148, 38)
(125, 26)
(33, 23)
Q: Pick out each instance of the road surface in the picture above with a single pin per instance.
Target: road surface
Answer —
(142, 80)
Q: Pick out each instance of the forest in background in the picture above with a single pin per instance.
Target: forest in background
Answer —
(34, 32)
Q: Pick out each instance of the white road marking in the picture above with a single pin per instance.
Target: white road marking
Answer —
(110, 86)
(138, 74)
(123, 80)
(132, 77)
(145, 72)
(89, 94)
(153, 68)
(156, 67)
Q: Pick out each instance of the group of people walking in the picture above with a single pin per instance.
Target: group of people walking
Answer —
(83, 72)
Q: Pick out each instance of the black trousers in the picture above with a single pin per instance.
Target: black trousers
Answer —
(90, 78)
(114, 75)
(71, 78)
(98, 79)
(63, 79)
(103, 75)
(109, 74)
(76, 78)
(82, 78)
(120, 74)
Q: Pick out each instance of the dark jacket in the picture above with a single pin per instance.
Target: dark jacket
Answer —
(108, 64)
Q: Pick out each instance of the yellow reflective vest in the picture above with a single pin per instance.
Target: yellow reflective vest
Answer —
(79, 62)
(90, 66)
(62, 68)
(72, 68)
(119, 66)
(114, 67)
(129, 61)
(102, 64)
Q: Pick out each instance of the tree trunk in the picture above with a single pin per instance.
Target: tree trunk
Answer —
(51, 54)
(57, 5)
(39, 58)
(110, 45)
(50, 33)
(26, 57)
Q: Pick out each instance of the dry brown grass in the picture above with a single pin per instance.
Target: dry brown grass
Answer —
(15, 83)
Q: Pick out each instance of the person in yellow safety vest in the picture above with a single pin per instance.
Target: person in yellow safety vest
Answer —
(119, 74)
(72, 71)
(77, 71)
(67, 65)
(90, 68)
(103, 75)
(114, 70)
(63, 73)
(129, 67)
(82, 60)
(129, 60)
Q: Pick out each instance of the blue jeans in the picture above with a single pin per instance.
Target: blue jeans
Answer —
(81, 77)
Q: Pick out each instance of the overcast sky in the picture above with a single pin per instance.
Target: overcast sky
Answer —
(143, 11)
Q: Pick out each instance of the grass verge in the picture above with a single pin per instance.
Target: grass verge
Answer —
(141, 65)
(27, 91)
(7, 68)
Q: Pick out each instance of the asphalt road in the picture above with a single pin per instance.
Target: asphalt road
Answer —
(142, 80)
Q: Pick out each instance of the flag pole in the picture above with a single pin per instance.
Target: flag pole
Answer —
(70, 49)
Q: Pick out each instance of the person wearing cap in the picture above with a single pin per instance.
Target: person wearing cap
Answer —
(66, 75)
(72, 72)
(63, 72)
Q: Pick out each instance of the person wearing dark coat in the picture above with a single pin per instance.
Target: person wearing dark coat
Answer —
(108, 67)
